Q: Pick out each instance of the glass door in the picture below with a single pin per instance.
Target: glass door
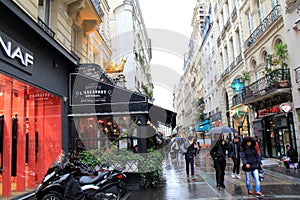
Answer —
(282, 138)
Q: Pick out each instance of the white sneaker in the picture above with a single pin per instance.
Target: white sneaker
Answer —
(238, 176)
(232, 175)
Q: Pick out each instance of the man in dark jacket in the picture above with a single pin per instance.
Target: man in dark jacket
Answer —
(218, 153)
(293, 155)
(234, 154)
(251, 164)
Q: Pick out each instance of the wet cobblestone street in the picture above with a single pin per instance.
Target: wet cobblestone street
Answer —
(175, 184)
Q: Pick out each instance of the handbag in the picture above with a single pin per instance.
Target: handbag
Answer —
(261, 174)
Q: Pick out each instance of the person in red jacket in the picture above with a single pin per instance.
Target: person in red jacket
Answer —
(257, 147)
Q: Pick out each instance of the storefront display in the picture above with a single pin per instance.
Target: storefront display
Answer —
(30, 130)
(274, 130)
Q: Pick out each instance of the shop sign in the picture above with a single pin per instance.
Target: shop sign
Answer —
(91, 93)
(272, 110)
(14, 53)
(285, 107)
(237, 85)
(46, 97)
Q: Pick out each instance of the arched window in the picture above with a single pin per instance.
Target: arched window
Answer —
(278, 41)
(255, 69)
(265, 56)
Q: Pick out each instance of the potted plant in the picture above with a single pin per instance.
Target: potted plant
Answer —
(281, 54)
(245, 77)
(277, 65)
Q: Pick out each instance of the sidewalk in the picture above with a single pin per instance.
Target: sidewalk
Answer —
(180, 185)
(273, 167)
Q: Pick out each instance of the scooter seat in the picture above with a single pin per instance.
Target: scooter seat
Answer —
(92, 179)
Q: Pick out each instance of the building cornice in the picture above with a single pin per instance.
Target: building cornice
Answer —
(21, 15)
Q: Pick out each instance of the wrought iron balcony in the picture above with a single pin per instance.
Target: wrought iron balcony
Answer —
(228, 69)
(219, 41)
(263, 27)
(278, 81)
(90, 10)
(273, 81)
(232, 66)
(233, 14)
(297, 74)
(96, 4)
(223, 32)
(237, 99)
(238, 59)
(228, 24)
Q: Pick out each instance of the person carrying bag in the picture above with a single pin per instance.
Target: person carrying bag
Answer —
(189, 148)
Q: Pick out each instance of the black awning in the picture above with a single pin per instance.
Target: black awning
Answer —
(163, 115)
(90, 97)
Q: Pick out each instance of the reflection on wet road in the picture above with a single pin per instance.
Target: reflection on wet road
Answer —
(175, 184)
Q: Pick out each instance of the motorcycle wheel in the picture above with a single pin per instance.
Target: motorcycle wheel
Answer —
(52, 195)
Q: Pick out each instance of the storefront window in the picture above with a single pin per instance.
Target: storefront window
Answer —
(30, 133)
(100, 131)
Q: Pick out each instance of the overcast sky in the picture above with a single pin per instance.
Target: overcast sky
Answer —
(168, 24)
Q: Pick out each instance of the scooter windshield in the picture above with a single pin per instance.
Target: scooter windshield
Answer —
(59, 160)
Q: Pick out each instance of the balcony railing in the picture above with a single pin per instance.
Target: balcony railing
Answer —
(277, 79)
(219, 41)
(263, 27)
(233, 14)
(223, 32)
(237, 99)
(238, 59)
(97, 7)
(297, 74)
(228, 24)
(232, 66)
(45, 27)
(228, 69)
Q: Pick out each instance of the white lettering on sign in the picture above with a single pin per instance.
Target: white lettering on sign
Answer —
(25, 58)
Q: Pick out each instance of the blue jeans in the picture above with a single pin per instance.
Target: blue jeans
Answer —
(189, 160)
(256, 180)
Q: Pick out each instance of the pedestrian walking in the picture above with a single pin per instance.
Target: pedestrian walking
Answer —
(218, 153)
(189, 148)
(293, 155)
(174, 149)
(251, 164)
(257, 141)
(234, 154)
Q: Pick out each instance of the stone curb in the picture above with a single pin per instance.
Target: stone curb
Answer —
(282, 176)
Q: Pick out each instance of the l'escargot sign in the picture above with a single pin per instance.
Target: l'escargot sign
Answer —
(285, 107)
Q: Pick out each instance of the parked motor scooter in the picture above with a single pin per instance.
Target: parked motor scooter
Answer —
(64, 180)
